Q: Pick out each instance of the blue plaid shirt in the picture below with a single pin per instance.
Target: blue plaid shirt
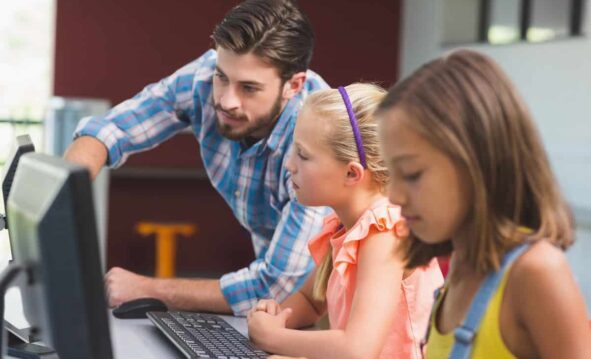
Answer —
(253, 180)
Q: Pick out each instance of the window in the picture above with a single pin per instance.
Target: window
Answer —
(460, 21)
(548, 19)
(26, 52)
(504, 22)
(510, 21)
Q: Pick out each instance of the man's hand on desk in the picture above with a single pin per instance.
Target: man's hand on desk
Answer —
(122, 286)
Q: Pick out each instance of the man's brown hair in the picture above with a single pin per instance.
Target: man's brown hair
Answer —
(466, 106)
(275, 30)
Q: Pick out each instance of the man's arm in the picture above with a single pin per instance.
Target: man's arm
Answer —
(88, 152)
(192, 295)
(282, 270)
(157, 113)
(180, 294)
(284, 266)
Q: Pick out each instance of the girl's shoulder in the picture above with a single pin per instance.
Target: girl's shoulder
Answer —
(542, 258)
(545, 303)
(539, 274)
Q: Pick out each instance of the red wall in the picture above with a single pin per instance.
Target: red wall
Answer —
(111, 49)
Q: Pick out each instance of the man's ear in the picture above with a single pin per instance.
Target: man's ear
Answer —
(294, 85)
(355, 173)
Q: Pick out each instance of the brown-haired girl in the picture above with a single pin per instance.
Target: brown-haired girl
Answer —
(470, 174)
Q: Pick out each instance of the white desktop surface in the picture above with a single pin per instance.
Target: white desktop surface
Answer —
(139, 338)
(130, 338)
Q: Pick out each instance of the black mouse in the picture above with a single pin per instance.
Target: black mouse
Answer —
(137, 308)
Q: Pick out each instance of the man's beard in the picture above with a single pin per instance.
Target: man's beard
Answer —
(263, 122)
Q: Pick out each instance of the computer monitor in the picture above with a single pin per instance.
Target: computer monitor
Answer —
(54, 234)
(22, 145)
(14, 321)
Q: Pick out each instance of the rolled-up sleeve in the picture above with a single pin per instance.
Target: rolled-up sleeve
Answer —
(285, 265)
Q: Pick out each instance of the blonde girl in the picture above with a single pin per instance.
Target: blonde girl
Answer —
(376, 309)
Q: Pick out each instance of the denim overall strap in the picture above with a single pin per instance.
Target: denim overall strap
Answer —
(464, 334)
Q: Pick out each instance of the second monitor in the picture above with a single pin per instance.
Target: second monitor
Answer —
(54, 234)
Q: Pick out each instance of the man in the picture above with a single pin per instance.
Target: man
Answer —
(241, 101)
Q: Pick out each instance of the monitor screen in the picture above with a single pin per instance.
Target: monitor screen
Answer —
(53, 231)
(22, 145)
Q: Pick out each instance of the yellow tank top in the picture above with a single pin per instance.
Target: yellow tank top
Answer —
(488, 342)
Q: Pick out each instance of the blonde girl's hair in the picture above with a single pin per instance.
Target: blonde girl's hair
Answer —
(466, 106)
(330, 106)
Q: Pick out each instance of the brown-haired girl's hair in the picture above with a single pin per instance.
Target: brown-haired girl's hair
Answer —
(466, 106)
(276, 30)
(329, 106)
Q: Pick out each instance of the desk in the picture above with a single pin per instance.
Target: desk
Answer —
(130, 338)
(139, 338)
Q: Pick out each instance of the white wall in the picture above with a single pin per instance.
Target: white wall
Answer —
(554, 78)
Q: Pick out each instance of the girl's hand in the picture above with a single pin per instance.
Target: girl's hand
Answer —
(268, 306)
(263, 326)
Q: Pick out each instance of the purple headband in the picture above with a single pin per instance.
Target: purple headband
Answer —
(353, 121)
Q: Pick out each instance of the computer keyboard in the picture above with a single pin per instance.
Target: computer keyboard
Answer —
(200, 335)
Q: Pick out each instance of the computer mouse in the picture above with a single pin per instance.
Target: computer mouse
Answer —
(137, 308)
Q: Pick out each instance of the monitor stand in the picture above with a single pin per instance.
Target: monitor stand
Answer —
(25, 334)
(19, 348)
(18, 340)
